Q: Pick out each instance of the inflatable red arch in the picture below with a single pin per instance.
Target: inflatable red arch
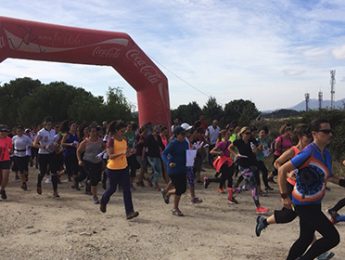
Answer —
(41, 41)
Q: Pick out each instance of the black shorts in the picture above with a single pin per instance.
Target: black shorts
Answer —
(93, 171)
(5, 165)
(180, 183)
(21, 163)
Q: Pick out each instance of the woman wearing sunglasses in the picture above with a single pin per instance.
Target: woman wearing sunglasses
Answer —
(245, 154)
(314, 166)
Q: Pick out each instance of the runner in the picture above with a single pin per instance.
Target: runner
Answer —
(334, 210)
(174, 155)
(22, 151)
(280, 145)
(5, 163)
(89, 154)
(223, 164)
(117, 169)
(286, 215)
(45, 141)
(154, 146)
(70, 142)
(314, 168)
(246, 157)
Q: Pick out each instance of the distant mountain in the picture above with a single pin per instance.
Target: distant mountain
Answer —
(314, 104)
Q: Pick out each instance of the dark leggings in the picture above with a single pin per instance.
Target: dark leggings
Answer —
(312, 219)
(44, 160)
(262, 168)
(285, 215)
(71, 163)
(93, 171)
(340, 204)
(115, 178)
(226, 174)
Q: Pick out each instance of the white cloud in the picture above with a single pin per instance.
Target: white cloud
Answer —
(339, 52)
(259, 50)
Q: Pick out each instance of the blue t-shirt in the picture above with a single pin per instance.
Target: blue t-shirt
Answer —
(176, 152)
(314, 168)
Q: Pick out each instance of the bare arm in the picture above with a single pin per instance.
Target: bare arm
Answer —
(216, 151)
(80, 150)
(282, 174)
(287, 155)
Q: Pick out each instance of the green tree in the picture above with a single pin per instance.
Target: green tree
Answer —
(240, 111)
(187, 113)
(212, 110)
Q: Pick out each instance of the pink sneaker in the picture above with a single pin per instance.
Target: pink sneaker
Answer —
(261, 210)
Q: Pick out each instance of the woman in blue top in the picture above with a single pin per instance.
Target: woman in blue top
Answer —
(70, 142)
(174, 155)
(314, 169)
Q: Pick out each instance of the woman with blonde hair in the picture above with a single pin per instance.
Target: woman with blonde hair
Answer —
(245, 154)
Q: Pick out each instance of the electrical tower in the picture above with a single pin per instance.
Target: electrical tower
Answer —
(307, 97)
(320, 100)
(332, 88)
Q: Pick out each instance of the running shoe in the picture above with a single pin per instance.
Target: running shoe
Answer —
(260, 225)
(3, 194)
(56, 195)
(261, 210)
(196, 200)
(103, 207)
(165, 197)
(133, 214)
(206, 182)
(39, 189)
(326, 256)
(95, 200)
(333, 215)
(177, 212)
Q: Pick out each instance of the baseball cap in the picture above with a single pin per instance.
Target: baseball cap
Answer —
(178, 130)
(186, 126)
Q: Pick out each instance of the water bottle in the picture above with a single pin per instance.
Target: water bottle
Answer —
(252, 145)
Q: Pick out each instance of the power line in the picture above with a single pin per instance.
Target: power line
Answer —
(180, 78)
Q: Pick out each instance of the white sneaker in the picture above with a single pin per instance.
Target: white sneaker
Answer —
(47, 180)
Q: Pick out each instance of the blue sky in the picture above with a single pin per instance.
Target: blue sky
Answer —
(270, 52)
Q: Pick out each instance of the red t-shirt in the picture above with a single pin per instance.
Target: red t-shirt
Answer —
(5, 148)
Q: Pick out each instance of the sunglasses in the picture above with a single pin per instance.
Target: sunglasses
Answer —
(326, 131)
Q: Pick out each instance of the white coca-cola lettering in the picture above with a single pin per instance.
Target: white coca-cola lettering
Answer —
(2, 42)
(147, 70)
(107, 53)
(66, 39)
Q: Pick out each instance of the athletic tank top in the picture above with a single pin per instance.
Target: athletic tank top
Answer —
(119, 162)
(92, 149)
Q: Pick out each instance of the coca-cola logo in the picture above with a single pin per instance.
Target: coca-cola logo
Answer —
(2, 42)
(149, 71)
(107, 53)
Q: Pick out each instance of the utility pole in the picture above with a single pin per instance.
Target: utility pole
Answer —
(320, 100)
(307, 97)
(332, 88)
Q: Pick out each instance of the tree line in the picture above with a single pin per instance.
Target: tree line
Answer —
(26, 101)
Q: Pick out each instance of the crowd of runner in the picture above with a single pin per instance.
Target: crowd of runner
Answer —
(120, 155)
